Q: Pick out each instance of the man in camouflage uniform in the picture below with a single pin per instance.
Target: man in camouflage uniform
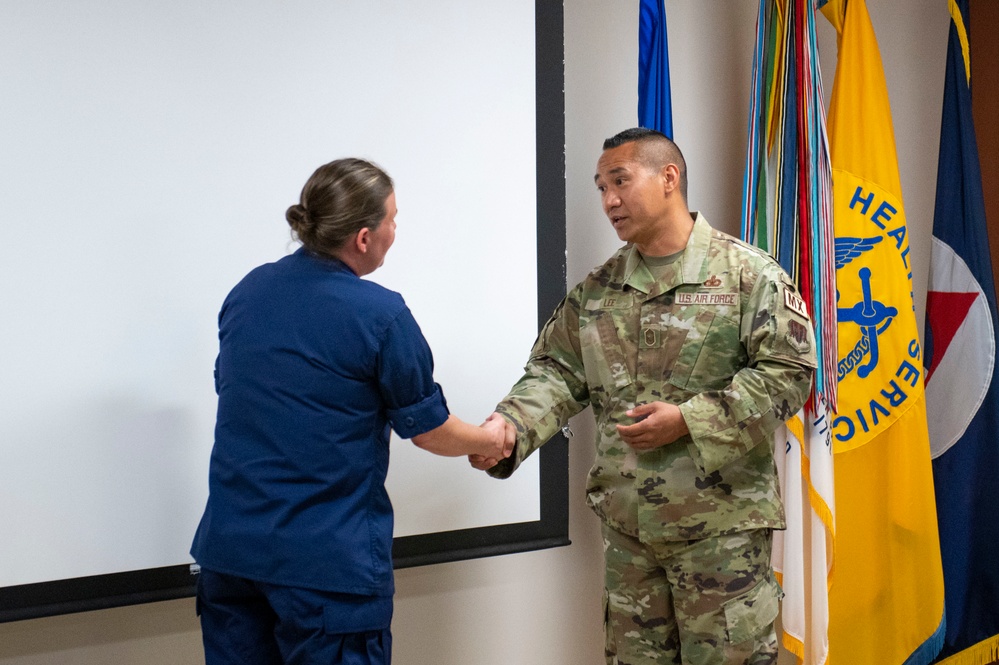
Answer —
(692, 348)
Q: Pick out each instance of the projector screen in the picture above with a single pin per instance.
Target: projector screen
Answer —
(149, 151)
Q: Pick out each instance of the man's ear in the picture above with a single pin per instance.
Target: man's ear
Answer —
(671, 176)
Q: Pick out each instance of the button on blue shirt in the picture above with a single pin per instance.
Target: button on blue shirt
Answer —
(315, 366)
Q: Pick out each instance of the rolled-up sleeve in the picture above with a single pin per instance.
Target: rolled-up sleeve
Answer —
(415, 402)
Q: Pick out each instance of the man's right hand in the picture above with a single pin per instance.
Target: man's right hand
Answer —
(506, 441)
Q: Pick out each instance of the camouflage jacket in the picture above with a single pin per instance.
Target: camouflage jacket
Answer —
(723, 335)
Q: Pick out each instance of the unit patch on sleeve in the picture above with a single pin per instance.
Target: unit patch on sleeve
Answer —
(794, 303)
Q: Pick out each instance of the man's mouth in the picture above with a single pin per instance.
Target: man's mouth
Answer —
(616, 220)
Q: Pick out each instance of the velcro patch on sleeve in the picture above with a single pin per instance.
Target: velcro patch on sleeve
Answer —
(794, 303)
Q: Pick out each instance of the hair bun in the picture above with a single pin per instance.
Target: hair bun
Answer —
(298, 218)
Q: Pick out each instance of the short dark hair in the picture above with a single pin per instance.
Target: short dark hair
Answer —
(656, 150)
(340, 199)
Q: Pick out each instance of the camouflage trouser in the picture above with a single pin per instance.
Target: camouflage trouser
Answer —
(693, 602)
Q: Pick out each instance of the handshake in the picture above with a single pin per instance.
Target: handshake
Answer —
(485, 445)
(501, 441)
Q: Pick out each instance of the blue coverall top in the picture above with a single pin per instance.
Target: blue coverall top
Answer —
(314, 367)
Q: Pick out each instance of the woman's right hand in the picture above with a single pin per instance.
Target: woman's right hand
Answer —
(501, 442)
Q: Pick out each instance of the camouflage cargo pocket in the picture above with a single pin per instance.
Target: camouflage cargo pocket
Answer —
(711, 353)
(750, 615)
(605, 361)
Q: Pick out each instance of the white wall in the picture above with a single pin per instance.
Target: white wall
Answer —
(543, 608)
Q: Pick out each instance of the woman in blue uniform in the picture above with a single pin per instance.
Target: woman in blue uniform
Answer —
(315, 366)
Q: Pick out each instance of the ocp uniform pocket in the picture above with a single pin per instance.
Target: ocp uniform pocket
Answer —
(712, 353)
(604, 325)
(750, 615)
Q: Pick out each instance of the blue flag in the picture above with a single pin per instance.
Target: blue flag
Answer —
(655, 108)
(962, 389)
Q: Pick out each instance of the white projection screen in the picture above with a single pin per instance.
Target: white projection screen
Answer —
(149, 151)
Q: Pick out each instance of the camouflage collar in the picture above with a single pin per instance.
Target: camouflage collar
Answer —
(689, 269)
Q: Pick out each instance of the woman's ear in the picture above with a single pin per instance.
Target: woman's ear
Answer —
(362, 239)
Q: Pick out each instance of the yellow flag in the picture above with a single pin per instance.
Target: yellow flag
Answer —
(886, 606)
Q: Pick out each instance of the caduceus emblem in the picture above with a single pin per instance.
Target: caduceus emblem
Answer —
(871, 315)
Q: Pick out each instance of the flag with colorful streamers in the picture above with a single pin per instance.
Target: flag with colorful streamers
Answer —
(787, 211)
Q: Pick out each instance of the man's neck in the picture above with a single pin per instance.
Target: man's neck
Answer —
(673, 238)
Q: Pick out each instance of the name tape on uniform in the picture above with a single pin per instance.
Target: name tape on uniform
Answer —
(702, 298)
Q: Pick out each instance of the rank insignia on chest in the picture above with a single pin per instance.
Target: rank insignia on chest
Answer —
(705, 298)
(794, 303)
(649, 338)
